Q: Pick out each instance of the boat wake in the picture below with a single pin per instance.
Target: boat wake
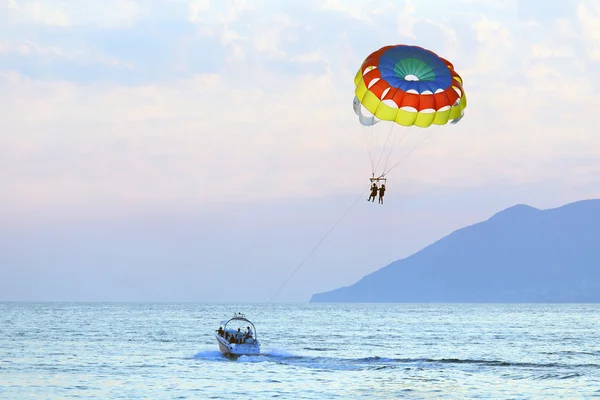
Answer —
(210, 355)
(276, 352)
(284, 357)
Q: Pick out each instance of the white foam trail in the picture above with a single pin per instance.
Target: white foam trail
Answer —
(276, 352)
(209, 355)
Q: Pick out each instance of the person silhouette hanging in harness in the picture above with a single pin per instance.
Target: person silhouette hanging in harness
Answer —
(381, 193)
(374, 190)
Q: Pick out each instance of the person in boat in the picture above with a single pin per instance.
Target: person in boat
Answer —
(248, 334)
(374, 189)
(220, 332)
(239, 336)
(381, 193)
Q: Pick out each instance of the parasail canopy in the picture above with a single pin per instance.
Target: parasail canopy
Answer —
(404, 86)
(408, 85)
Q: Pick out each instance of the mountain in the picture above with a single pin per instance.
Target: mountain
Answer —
(519, 255)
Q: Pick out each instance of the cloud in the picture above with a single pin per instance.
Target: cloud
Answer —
(541, 51)
(12, 4)
(588, 14)
(64, 14)
(548, 12)
(197, 7)
(163, 100)
(235, 118)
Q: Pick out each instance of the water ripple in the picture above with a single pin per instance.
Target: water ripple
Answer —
(327, 351)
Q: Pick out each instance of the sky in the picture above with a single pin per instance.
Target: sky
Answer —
(200, 150)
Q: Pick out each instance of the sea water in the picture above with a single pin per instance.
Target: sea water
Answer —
(310, 351)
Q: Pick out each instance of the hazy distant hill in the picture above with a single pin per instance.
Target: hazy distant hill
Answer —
(521, 254)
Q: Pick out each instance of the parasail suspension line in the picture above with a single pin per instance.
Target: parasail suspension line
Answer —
(407, 154)
(318, 244)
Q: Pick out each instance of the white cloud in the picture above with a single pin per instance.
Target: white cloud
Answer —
(566, 29)
(497, 4)
(196, 7)
(492, 33)
(540, 51)
(589, 18)
(110, 14)
(86, 55)
(39, 12)
(405, 20)
(353, 9)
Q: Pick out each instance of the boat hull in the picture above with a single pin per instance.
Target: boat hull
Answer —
(233, 350)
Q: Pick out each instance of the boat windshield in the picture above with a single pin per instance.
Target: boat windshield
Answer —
(240, 326)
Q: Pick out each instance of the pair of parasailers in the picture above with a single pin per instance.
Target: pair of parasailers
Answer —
(375, 190)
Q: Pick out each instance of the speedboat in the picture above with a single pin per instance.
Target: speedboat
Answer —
(237, 337)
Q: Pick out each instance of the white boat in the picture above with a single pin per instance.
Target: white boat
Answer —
(237, 337)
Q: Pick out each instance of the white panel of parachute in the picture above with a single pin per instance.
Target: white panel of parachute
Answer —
(364, 116)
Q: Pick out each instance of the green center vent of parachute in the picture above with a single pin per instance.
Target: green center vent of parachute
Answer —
(408, 85)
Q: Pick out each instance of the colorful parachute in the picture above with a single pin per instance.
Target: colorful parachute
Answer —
(405, 85)
(409, 85)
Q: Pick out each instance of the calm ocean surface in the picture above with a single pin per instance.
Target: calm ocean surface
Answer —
(311, 351)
